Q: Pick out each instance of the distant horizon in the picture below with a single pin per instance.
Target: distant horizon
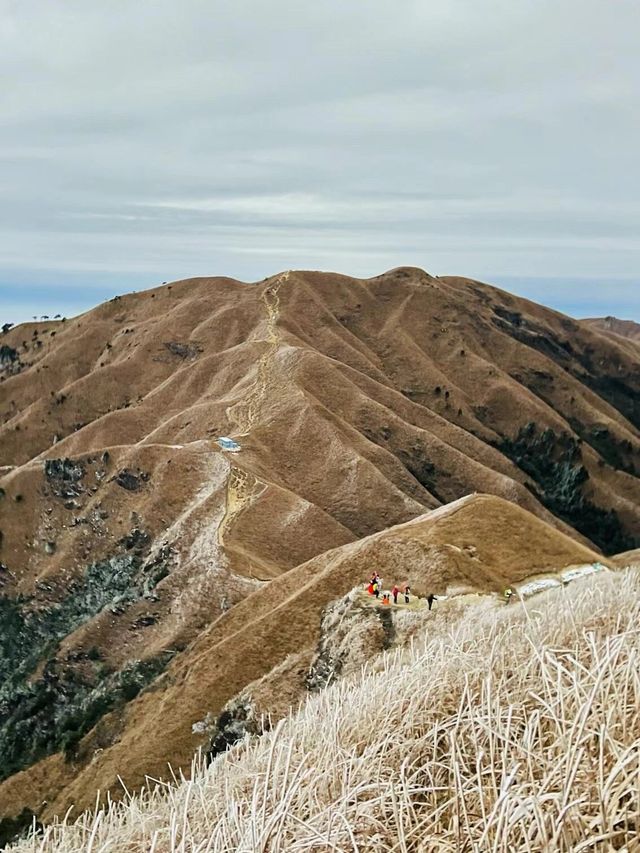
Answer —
(573, 296)
(148, 142)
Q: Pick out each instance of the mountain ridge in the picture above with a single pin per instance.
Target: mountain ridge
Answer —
(623, 328)
(359, 405)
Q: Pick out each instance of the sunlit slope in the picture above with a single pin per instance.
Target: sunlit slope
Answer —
(129, 538)
(512, 728)
(477, 544)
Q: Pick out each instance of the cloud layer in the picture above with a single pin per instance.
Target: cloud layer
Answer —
(148, 141)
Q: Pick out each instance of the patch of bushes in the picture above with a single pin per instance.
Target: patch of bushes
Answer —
(621, 395)
(113, 691)
(423, 470)
(8, 355)
(615, 452)
(14, 828)
(40, 716)
(532, 335)
(622, 392)
(554, 462)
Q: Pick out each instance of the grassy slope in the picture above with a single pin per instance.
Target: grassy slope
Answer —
(359, 404)
(508, 728)
(507, 545)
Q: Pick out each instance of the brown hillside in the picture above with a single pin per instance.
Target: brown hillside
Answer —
(129, 540)
(623, 328)
(479, 543)
(625, 333)
(628, 558)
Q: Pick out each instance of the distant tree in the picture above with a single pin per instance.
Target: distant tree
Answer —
(6, 327)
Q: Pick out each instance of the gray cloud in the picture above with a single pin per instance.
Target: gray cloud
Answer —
(148, 141)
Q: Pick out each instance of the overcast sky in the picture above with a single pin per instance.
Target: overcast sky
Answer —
(147, 141)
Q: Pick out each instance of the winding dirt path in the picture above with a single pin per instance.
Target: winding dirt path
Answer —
(242, 489)
(247, 413)
(242, 486)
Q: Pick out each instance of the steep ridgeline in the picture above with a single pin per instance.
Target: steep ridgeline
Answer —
(125, 531)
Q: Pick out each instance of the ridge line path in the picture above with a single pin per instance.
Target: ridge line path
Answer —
(524, 589)
(243, 487)
(247, 412)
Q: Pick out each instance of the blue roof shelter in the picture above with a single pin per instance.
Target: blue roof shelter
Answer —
(228, 444)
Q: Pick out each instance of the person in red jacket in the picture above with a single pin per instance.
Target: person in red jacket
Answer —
(395, 592)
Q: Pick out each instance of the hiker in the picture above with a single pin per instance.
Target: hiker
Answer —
(385, 598)
(376, 589)
(430, 599)
(508, 595)
(395, 592)
(407, 591)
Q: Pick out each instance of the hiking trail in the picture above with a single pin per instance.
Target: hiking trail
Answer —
(247, 412)
(523, 589)
(242, 486)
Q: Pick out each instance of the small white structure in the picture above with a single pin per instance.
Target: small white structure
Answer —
(229, 444)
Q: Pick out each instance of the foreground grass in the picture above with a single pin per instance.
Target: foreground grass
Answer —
(516, 730)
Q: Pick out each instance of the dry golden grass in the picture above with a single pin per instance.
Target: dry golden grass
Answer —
(515, 729)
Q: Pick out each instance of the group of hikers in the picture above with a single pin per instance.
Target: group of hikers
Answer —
(375, 588)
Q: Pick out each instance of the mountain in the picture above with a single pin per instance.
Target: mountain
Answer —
(625, 332)
(148, 577)
(622, 328)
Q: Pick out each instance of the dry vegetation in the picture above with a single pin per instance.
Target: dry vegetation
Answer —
(513, 729)
(360, 405)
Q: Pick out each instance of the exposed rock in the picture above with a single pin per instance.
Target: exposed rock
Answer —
(183, 350)
(65, 476)
(349, 636)
(130, 480)
(235, 722)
